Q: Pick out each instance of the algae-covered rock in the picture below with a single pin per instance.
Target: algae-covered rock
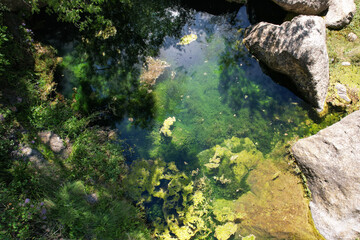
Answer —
(275, 208)
(224, 211)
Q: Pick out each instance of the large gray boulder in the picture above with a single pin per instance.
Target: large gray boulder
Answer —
(307, 7)
(296, 49)
(330, 161)
(340, 13)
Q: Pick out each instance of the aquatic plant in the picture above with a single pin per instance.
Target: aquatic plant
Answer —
(184, 209)
(224, 211)
(224, 232)
(249, 237)
(229, 164)
(187, 39)
(151, 70)
(165, 129)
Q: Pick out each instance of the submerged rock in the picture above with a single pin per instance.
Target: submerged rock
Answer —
(296, 49)
(275, 208)
(331, 161)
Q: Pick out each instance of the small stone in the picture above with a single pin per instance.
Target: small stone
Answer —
(341, 90)
(45, 136)
(56, 143)
(92, 198)
(346, 64)
(352, 37)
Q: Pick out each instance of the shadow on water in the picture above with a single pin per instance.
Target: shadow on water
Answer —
(101, 73)
(214, 7)
(264, 10)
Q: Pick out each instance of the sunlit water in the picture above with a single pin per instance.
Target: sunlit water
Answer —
(215, 90)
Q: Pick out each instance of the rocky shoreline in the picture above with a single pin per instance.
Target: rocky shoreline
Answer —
(330, 158)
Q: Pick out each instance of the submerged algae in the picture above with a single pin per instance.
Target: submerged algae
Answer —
(187, 39)
(232, 161)
(165, 129)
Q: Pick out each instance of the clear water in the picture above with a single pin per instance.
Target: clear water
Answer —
(215, 90)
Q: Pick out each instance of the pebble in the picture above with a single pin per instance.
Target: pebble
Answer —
(341, 90)
(352, 37)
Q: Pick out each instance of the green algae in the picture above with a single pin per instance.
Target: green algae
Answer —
(224, 232)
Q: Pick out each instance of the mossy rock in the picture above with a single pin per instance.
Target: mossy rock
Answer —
(276, 206)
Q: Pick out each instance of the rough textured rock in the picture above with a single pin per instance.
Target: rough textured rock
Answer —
(53, 140)
(303, 6)
(341, 91)
(352, 37)
(331, 162)
(237, 1)
(340, 13)
(91, 198)
(33, 155)
(296, 49)
(55, 143)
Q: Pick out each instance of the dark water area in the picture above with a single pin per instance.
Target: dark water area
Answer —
(213, 87)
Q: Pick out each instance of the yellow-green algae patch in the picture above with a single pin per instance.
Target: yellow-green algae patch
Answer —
(165, 129)
(187, 39)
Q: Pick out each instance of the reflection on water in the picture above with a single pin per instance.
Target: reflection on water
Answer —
(195, 136)
(216, 90)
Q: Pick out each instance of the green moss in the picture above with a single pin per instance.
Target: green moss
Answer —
(340, 50)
